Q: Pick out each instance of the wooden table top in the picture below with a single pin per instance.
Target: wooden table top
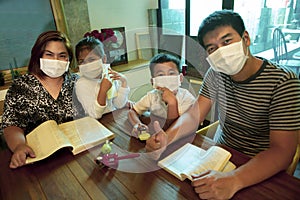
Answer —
(64, 176)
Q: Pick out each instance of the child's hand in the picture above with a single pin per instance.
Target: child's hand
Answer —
(138, 128)
(118, 76)
(167, 95)
(105, 85)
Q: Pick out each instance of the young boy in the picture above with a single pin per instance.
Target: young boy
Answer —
(167, 101)
(99, 89)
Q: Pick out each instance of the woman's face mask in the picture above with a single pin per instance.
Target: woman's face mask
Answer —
(91, 70)
(170, 82)
(54, 68)
(228, 59)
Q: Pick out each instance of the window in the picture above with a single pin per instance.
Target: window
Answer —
(260, 17)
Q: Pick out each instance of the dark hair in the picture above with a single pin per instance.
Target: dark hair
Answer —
(162, 58)
(39, 48)
(220, 18)
(90, 43)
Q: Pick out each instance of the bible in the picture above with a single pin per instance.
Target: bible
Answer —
(191, 160)
(80, 135)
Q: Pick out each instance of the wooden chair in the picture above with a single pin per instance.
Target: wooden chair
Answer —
(139, 92)
(209, 130)
(291, 169)
(281, 55)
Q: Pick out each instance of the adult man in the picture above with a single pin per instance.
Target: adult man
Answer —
(258, 105)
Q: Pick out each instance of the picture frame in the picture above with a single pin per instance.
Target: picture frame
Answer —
(143, 45)
(116, 52)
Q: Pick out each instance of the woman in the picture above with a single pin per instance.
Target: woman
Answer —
(45, 93)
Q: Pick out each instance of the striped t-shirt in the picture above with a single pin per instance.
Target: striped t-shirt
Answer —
(248, 110)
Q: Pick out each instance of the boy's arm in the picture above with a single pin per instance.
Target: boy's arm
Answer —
(133, 117)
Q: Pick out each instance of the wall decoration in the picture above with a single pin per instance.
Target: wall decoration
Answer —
(143, 45)
(114, 42)
(116, 49)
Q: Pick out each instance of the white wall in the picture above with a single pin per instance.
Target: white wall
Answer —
(131, 14)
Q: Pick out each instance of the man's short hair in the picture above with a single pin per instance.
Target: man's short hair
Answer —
(221, 18)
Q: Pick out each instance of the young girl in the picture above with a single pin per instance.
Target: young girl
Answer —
(99, 89)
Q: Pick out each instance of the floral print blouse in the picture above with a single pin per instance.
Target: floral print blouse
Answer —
(28, 104)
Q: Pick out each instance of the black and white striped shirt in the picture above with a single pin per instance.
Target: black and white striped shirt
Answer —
(248, 110)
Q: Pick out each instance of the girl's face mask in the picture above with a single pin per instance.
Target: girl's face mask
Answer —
(91, 70)
(228, 59)
(54, 68)
(170, 82)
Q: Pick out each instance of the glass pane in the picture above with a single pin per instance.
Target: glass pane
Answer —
(173, 17)
(262, 16)
(199, 10)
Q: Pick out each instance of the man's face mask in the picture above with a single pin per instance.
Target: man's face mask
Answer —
(91, 70)
(170, 82)
(54, 68)
(228, 59)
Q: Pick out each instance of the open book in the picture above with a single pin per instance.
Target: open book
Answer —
(79, 135)
(192, 160)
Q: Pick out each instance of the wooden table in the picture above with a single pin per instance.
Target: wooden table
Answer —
(64, 176)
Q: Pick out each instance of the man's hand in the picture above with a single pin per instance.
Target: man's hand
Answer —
(157, 143)
(19, 157)
(215, 185)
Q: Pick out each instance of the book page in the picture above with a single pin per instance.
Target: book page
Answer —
(229, 167)
(215, 158)
(178, 162)
(192, 160)
(85, 133)
(45, 140)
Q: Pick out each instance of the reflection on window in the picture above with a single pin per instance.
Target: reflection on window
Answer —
(199, 10)
(173, 17)
(262, 16)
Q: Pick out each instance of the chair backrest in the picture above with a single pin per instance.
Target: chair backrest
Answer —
(279, 45)
(291, 169)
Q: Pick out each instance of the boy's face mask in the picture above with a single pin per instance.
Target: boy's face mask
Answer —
(91, 70)
(228, 59)
(54, 68)
(170, 82)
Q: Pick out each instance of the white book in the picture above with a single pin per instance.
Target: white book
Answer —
(79, 135)
(192, 160)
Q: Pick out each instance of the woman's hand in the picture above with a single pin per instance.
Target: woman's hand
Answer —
(21, 152)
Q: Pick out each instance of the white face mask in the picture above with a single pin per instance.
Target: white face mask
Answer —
(91, 70)
(228, 59)
(170, 82)
(54, 68)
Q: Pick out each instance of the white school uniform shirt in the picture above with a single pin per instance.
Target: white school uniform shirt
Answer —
(153, 102)
(87, 92)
